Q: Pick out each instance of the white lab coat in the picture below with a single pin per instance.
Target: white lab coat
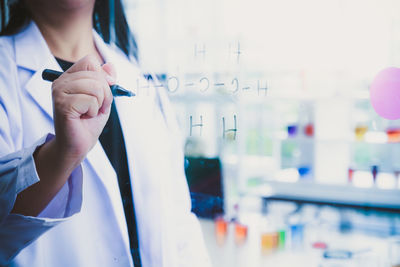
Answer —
(84, 225)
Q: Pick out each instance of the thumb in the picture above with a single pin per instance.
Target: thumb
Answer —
(110, 72)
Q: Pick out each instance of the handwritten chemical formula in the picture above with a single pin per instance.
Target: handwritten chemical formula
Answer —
(184, 86)
(225, 129)
(174, 84)
(234, 49)
(177, 84)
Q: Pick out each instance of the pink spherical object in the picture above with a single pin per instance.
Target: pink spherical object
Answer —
(385, 93)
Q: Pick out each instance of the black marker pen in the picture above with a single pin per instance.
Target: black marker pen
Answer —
(116, 90)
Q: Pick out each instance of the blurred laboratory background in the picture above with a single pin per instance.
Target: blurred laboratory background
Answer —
(287, 162)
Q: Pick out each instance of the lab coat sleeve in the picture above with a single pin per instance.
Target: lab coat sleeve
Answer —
(17, 172)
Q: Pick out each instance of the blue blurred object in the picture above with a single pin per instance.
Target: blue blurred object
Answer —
(206, 206)
(374, 170)
(297, 233)
(292, 130)
(304, 170)
(204, 178)
(342, 254)
(337, 254)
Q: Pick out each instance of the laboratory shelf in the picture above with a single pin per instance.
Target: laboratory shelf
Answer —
(329, 194)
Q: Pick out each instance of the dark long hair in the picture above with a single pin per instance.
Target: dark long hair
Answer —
(109, 21)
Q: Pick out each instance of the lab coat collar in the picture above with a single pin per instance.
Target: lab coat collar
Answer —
(31, 49)
(33, 54)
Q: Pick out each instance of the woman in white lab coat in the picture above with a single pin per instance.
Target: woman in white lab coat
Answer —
(60, 198)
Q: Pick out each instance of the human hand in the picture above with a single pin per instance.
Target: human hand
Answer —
(81, 102)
